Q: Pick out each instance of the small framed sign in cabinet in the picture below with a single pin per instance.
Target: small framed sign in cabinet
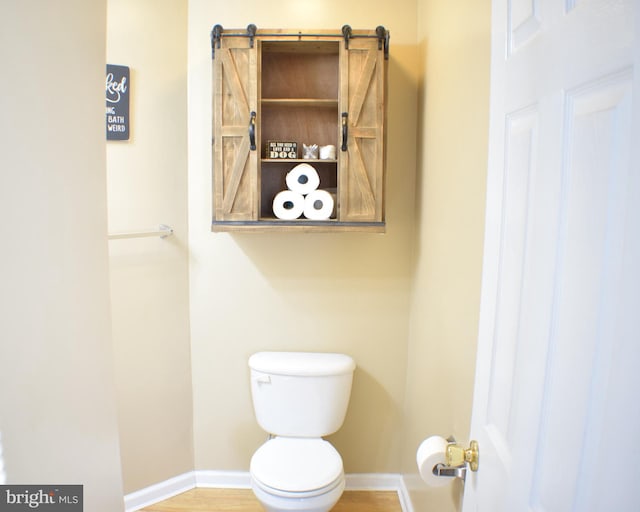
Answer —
(277, 149)
(117, 113)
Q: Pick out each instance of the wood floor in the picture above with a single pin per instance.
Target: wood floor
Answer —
(243, 500)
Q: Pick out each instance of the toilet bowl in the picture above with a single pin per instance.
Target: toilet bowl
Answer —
(297, 474)
(298, 398)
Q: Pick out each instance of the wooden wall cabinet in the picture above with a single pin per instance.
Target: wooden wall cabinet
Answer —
(325, 88)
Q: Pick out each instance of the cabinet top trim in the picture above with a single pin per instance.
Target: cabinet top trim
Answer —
(380, 33)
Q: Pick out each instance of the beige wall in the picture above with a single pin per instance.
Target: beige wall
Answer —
(454, 41)
(326, 292)
(147, 185)
(57, 395)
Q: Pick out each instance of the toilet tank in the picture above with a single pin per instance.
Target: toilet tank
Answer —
(300, 394)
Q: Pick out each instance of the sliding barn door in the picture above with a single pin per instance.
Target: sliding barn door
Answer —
(362, 103)
(234, 125)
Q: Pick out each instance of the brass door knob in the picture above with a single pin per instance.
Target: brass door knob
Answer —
(457, 455)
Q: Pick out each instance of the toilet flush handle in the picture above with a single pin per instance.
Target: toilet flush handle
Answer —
(263, 380)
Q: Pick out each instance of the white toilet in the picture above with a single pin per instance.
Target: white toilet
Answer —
(298, 397)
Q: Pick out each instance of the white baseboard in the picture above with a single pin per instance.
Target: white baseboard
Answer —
(381, 482)
(241, 480)
(404, 497)
(223, 479)
(159, 492)
(372, 481)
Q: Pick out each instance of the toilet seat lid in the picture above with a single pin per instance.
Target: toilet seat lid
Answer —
(296, 464)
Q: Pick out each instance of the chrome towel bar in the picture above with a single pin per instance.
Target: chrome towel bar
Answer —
(163, 231)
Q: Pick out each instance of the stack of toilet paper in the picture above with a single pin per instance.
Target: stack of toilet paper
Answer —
(303, 197)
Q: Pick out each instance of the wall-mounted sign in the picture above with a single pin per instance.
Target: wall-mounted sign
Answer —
(117, 116)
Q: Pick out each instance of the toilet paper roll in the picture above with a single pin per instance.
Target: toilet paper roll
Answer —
(327, 152)
(318, 205)
(303, 178)
(288, 205)
(432, 451)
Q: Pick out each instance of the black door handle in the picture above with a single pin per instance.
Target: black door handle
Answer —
(345, 130)
(252, 131)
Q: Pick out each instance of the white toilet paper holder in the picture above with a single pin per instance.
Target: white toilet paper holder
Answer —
(457, 458)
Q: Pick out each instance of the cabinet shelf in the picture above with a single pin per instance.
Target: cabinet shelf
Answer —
(301, 226)
(300, 102)
(297, 161)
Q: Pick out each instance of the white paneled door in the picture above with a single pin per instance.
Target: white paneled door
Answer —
(557, 396)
